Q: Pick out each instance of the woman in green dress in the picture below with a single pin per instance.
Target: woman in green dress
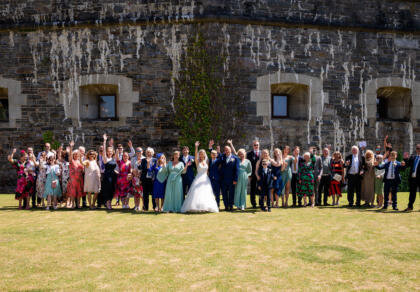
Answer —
(286, 176)
(306, 180)
(245, 171)
(173, 191)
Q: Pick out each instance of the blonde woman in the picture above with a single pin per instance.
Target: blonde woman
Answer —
(92, 185)
(277, 167)
(368, 182)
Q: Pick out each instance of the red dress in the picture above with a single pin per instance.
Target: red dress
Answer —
(335, 186)
(25, 182)
(75, 182)
(123, 184)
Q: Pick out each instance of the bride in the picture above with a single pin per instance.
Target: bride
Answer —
(200, 197)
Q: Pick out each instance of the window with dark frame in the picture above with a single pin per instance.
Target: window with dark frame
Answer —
(4, 109)
(279, 106)
(107, 107)
(381, 108)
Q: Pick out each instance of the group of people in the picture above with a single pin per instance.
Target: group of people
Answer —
(74, 178)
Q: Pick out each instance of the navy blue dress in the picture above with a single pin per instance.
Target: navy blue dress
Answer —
(158, 187)
(109, 180)
(278, 183)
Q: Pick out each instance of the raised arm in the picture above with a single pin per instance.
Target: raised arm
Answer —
(10, 157)
(105, 157)
(132, 151)
(71, 151)
(385, 142)
(231, 146)
(196, 153)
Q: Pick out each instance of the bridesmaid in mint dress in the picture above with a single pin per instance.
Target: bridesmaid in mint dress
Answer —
(245, 171)
(286, 175)
(173, 192)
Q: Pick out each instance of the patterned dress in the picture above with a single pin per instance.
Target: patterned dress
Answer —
(25, 183)
(41, 179)
(306, 178)
(123, 184)
(75, 182)
(53, 172)
(65, 172)
(335, 186)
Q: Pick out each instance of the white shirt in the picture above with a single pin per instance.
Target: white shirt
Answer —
(391, 170)
(265, 170)
(53, 168)
(228, 158)
(295, 169)
(185, 158)
(355, 165)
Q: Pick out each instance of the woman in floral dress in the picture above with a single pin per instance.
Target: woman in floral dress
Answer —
(63, 162)
(75, 182)
(42, 177)
(124, 179)
(306, 180)
(25, 180)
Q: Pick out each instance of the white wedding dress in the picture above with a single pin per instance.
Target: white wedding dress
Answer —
(200, 197)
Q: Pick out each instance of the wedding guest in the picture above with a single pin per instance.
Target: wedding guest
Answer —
(52, 185)
(286, 176)
(31, 165)
(245, 171)
(92, 182)
(124, 177)
(159, 187)
(337, 170)
(324, 177)
(354, 166)
(296, 160)
(75, 182)
(101, 164)
(392, 178)
(188, 176)
(137, 189)
(265, 154)
(378, 150)
(63, 163)
(414, 179)
(229, 177)
(306, 179)
(137, 158)
(368, 181)
(25, 181)
(172, 172)
(265, 184)
(42, 177)
(146, 177)
(253, 156)
(379, 182)
(109, 179)
(277, 166)
(47, 150)
(214, 170)
(316, 159)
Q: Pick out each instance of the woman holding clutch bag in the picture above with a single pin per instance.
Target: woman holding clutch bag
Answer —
(337, 166)
(52, 185)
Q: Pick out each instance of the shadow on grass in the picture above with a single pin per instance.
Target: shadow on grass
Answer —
(328, 254)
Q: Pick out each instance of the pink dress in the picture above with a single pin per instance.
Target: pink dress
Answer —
(123, 184)
(75, 183)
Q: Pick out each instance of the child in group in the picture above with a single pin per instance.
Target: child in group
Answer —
(379, 182)
(158, 187)
(52, 184)
(265, 183)
(137, 189)
(92, 182)
(392, 178)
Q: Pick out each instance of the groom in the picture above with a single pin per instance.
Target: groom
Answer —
(229, 177)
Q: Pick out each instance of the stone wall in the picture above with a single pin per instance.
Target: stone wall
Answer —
(50, 49)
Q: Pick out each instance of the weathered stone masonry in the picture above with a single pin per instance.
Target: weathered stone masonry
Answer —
(332, 57)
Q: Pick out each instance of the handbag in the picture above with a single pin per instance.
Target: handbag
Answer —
(54, 184)
(337, 177)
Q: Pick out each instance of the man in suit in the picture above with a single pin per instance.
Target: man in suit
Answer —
(253, 156)
(264, 185)
(354, 166)
(392, 178)
(188, 175)
(229, 177)
(414, 180)
(146, 177)
(324, 177)
(214, 170)
(295, 169)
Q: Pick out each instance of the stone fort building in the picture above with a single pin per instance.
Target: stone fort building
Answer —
(310, 71)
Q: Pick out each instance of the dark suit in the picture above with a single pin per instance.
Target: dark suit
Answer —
(228, 175)
(146, 178)
(294, 183)
(413, 181)
(264, 185)
(253, 158)
(188, 176)
(391, 184)
(354, 181)
(214, 175)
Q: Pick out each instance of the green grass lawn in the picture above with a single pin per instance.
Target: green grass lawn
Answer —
(332, 248)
